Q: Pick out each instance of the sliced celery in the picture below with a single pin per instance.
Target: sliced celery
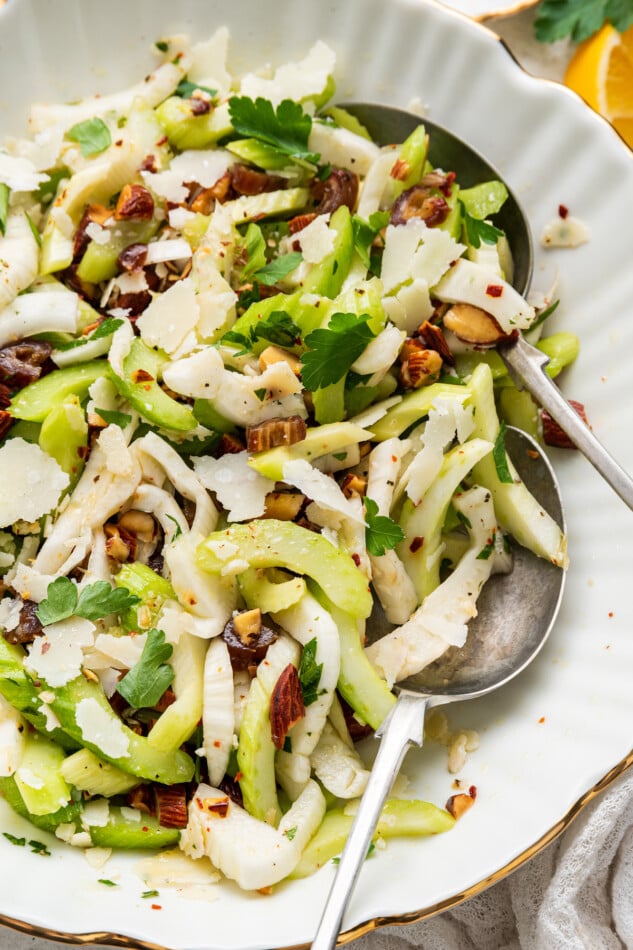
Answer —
(318, 441)
(139, 384)
(272, 543)
(64, 435)
(399, 817)
(88, 772)
(35, 401)
(179, 720)
(186, 130)
(38, 777)
(270, 591)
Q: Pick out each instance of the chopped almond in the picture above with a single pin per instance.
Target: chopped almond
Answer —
(248, 624)
(135, 201)
(274, 432)
(286, 705)
(282, 505)
(353, 485)
(459, 804)
(473, 325)
(171, 805)
(421, 368)
(275, 354)
(434, 339)
(553, 434)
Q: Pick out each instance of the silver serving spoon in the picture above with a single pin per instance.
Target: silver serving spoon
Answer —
(516, 613)
(525, 362)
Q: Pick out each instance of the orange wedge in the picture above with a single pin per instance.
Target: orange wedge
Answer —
(601, 71)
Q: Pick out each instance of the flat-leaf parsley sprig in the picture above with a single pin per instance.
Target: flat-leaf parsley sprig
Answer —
(580, 19)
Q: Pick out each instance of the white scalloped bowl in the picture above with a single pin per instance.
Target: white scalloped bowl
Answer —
(549, 739)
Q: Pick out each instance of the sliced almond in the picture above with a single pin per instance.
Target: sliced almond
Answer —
(473, 325)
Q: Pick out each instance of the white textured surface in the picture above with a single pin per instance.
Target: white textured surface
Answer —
(529, 773)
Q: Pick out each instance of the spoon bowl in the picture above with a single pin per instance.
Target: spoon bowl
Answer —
(526, 364)
(516, 613)
(386, 125)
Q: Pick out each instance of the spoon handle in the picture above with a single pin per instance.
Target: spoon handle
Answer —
(527, 365)
(404, 725)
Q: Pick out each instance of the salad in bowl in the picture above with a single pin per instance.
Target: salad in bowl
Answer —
(249, 394)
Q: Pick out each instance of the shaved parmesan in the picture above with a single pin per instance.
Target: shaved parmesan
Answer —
(57, 656)
(196, 165)
(303, 80)
(320, 488)
(120, 652)
(173, 249)
(30, 482)
(171, 316)
(466, 282)
(208, 62)
(342, 148)
(410, 306)
(239, 488)
(19, 174)
(414, 250)
(316, 240)
(100, 729)
(122, 340)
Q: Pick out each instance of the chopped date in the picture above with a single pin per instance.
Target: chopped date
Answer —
(249, 181)
(29, 626)
(419, 202)
(339, 188)
(24, 362)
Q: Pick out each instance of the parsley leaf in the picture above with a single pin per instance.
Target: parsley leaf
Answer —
(20, 842)
(99, 599)
(478, 231)
(291, 832)
(279, 268)
(333, 350)
(310, 672)
(161, 45)
(93, 136)
(278, 328)
(114, 418)
(107, 882)
(381, 532)
(105, 328)
(95, 601)
(486, 551)
(184, 89)
(5, 192)
(147, 894)
(500, 457)
(579, 19)
(365, 233)
(287, 128)
(148, 679)
(38, 847)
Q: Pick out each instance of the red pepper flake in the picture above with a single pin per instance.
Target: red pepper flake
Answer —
(144, 828)
(416, 544)
(494, 290)
(472, 791)
(163, 140)
(541, 720)
(45, 647)
(356, 559)
(156, 906)
(142, 376)
(217, 743)
(610, 614)
(394, 458)
(563, 211)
